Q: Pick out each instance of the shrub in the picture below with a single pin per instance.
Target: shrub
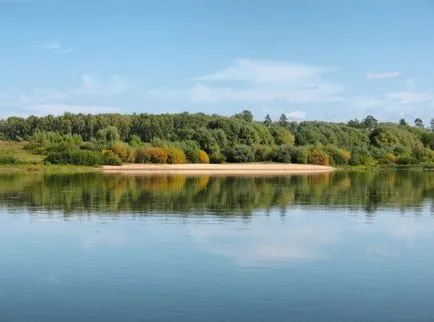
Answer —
(158, 155)
(282, 136)
(423, 155)
(87, 158)
(176, 156)
(239, 153)
(91, 146)
(361, 156)
(143, 155)
(75, 157)
(191, 151)
(406, 159)
(203, 157)
(390, 157)
(108, 135)
(136, 141)
(299, 155)
(282, 154)
(318, 157)
(6, 159)
(338, 156)
(109, 158)
(124, 151)
(57, 158)
(42, 142)
(262, 153)
(217, 157)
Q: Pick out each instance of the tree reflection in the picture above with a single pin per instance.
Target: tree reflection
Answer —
(225, 196)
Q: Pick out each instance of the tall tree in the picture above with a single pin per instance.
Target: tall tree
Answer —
(432, 124)
(268, 122)
(418, 123)
(283, 121)
(245, 115)
(403, 122)
(370, 122)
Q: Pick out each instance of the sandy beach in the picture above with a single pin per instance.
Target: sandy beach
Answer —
(219, 169)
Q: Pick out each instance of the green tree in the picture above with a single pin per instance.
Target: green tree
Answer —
(283, 121)
(268, 122)
(418, 123)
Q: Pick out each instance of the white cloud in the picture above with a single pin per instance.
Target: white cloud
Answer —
(410, 84)
(41, 101)
(94, 85)
(381, 75)
(296, 115)
(53, 46)
(44, 109)
(252, 81)
(408, 97)
(264, 72)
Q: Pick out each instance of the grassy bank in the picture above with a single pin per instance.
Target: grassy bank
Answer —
(14, 157)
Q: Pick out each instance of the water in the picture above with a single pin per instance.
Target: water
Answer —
(339, 247)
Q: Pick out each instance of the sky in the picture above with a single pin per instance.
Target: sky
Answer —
(329, 60)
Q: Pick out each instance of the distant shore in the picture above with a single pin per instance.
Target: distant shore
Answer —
(218, 169)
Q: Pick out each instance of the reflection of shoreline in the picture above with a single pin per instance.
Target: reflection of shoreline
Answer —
(256, 169)
(217, 195)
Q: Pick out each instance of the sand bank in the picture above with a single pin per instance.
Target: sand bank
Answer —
(218, 169)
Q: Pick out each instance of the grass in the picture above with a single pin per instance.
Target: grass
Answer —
(15, 151)
(14, 157)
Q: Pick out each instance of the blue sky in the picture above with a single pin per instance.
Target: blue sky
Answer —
(313, 59)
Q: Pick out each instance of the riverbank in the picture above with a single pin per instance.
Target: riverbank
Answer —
(218, 169)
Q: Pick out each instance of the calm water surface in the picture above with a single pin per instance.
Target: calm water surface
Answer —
(330, 247)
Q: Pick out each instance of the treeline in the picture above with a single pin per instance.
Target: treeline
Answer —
(89, 193)
(199, 138)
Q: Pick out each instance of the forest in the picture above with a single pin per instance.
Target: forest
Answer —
(113, 139)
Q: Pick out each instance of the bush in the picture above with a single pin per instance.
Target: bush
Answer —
(87, 158)
(143, 155)
(109, 158)
(262, 153)
(239, 153)
(191, 151)
(406, 159)
(390, 158)
(299, 155)
(282, 136)
(124, 151)
(75, 157)
(338, 156)
(42, 142)
(217, 157)
(158, 155)
(203, 157)
(108, 135)
(318, 157)
(6, 159)
(176, 156)
(282, 154)
(136, 141)
(361, 156)
(423, 155)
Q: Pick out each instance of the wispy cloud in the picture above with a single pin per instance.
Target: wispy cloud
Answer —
(53, 46)
(94, 85)
(381, 75)
(56, 101)
(264, 72)
(296, 115)
(254, 81)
